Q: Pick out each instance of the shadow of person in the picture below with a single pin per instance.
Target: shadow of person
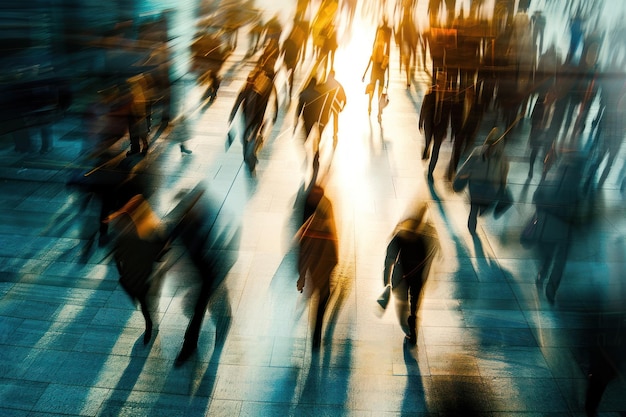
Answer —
(127, 381)
(321, 376)
(414, 397)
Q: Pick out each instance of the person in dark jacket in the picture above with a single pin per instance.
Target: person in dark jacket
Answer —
(310, 106)
(334, 102)
(408, 261)
(140, 240)
(253, 99)
(433, 122)
(473, 111)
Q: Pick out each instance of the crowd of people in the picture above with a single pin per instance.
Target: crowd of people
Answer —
(498, 67)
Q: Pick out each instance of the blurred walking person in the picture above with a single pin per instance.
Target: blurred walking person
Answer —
(318, 255)
(212, 245)
(334, 102)
(253, 100)
(408, 262)
(379, 64)
(433, 122)
(139, 242)
(557, 200)
(293, 47)
(538, 139)
(485, 173)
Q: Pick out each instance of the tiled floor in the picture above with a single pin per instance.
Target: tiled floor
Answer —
(489, 342)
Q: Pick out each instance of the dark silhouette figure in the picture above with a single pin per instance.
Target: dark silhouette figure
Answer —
(139, 243)
(609, 130)
(310, 106)
(472, 116)
(537, 139)
(433, 122)
(318, 254)
(556, 200)
(334, 101)
(485, 174)
(408, 38)
(409, 257)
(253, 99)
(293, 49)
(211, 245)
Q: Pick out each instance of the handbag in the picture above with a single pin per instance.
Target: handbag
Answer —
(383, 299)
(384, 100)
(388, 281)
(531, 232)
(505, 202)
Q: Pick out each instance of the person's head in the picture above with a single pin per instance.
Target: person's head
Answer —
(413, 222)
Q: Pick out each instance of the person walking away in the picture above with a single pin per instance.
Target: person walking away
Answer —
(318, 255)
(473, 111)
(556, 201)
(212, 245)
(433, 122)
(408, 261)
(140, 240)
(379, 64)
(310, 107)
(253, 99)
(485, 174)
(334, 102)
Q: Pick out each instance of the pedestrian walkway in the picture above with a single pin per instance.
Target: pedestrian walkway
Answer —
(489, 343)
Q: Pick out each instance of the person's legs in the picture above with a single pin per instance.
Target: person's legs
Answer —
(415, 288)
(455, 158)
(46, 139)
(560, 258)
(434, 157)
(324, 295)
(473, 218)
(192, 334)
(546, 252)
(146, 315)
(135, 146)
(145, 144)
(428, 136)
(401, 297)
(534, 151)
